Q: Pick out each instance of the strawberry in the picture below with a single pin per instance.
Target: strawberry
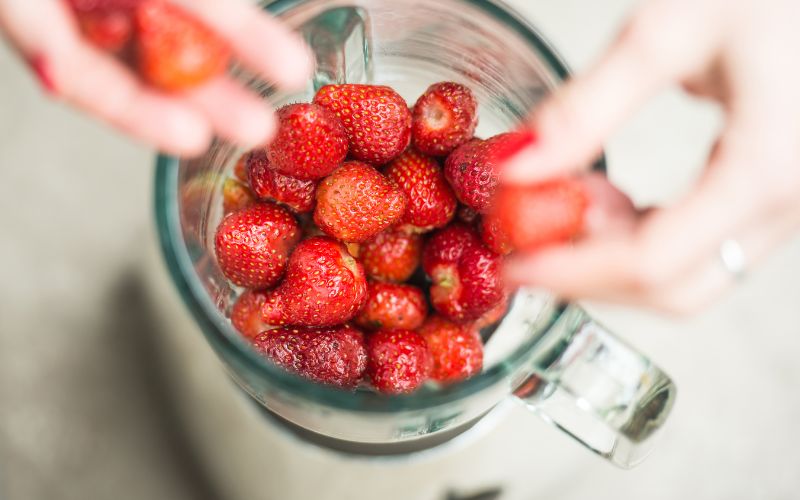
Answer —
(324, 286)
(246, 313)
(376, 118)
(457, 350)
(444, 117)
(431, 201)
(310, 144)
(541, 214)
(493, 315)
(108, 24)
(392, 255)
(108, 30)
(357, 202)
(465, 274)
(174, 50)
(334, 356)
(447, 245)
(269, 184)
(398, 361)
(235, 196)
(390, 306)
(494, 237)
(253, 244)
(466, 214)
(472, 168)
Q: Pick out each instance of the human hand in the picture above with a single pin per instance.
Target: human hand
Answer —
(70, 68)
(738, 53)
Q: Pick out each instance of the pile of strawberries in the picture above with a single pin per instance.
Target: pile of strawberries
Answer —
(326, 226)
(168, 47)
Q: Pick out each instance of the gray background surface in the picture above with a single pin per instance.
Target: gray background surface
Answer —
(83, 411)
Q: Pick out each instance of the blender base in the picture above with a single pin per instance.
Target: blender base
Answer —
(355, 448)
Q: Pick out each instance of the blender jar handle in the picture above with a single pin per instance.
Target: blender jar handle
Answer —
(597, 389)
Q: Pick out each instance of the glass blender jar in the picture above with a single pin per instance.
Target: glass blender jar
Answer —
(564, 366)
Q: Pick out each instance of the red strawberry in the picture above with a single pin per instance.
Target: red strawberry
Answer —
(324, 286)
(494, 236)
(444, 117)
(472, 168)
(392, 255)
(376, 118)
(108, 24)
(431, 202)
(246, 313)
(457, 350)
(253, 244)
(399, 361)
(108, 30)
(493, 315)
(390, 306)
(447, 245)
(269, 184)
(357, 202)
(466, 214)
(310, 144)
(465, 274)
(541, 214)
(334, 356)
(235, 196)
(174, 49)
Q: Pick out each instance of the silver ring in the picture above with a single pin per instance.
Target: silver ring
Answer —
(733, 259)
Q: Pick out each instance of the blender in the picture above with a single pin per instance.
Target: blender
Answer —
(547, 356)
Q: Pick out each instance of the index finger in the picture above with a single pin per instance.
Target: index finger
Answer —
(660, 44)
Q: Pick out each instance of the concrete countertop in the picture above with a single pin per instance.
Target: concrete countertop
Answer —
(82, 413)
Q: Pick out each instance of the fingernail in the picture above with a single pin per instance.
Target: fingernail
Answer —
(41, 69)
(519, 141)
